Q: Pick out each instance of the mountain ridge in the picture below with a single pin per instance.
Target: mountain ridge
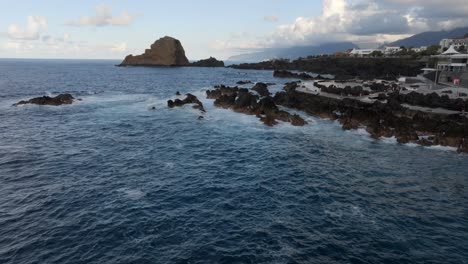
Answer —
(429, 38)
(293, 52)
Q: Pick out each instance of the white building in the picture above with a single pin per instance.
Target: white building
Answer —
(420, 49)
(456, 42)
(452, 67)
(390, 50)
(362, 52)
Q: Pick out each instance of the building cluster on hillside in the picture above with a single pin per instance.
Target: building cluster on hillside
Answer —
(457, 43)
(452, 64)
(451, 67)
(385, 51)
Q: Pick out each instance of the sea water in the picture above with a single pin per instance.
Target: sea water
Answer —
(108, 180)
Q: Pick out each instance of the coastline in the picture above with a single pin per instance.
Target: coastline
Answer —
(382, 120)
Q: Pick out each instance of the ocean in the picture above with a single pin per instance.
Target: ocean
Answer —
(108, 180)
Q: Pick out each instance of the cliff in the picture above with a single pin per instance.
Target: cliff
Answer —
(166, 51)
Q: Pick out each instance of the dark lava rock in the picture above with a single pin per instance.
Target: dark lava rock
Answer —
(243, 101)
(344, 67)
(244, 82)
(266, 105)
(210, 62)
(60, 99)
(177, 93)
(388, 119)
(225, 101)
(268, 120)
(297, 120)
(347, 91)
(261, 89)
(190, 99)
(288, 74)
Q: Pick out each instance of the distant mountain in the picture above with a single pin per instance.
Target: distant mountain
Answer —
(430, 38)
(293, 52)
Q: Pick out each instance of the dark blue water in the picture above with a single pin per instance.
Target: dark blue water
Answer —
(106, 180)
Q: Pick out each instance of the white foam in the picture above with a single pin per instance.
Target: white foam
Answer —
(169, 165)
(133, 194)
(442, 148)
(389, 140)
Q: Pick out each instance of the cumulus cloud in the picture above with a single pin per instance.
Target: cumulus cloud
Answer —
(362, 21)
(34, 27)
(271, 18)
(103, 17)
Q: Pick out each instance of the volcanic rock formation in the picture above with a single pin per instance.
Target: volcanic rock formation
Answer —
(166, 51)
(47, 100)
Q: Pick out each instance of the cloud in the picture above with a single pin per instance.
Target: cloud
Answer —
(61, 47)
(361, 21)
(271, 18)
(103, 17)
(35, 25)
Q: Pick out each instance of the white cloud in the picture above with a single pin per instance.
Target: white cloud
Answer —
(360, 21)
(34, 27)
(271, 18)
(103, 17)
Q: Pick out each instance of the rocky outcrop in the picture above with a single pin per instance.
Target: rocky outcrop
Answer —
(166, 51)
(211, 62)
(388, 119)
(241, 100)
(190, 99)
(342, 68)
(60, 99)
(346, 91)
(432, 100)
(287, 74)
(261, 89)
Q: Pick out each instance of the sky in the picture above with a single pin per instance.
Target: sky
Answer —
(92, 29)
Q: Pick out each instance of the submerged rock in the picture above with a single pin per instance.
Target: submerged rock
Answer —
(244, 82)
(60, 99)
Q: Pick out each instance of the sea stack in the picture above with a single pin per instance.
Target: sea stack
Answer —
(165, 51)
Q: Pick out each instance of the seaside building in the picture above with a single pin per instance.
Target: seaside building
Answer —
(420, 49)
(452, 68)
(457, 43)
(362, 52)
(390, 50)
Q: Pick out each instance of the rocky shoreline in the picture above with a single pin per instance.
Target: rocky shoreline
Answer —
(382, 115)
(242, 100)
(380, 119)
(341, 68)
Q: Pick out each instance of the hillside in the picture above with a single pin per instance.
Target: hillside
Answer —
(430, 38)
(293, 52)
